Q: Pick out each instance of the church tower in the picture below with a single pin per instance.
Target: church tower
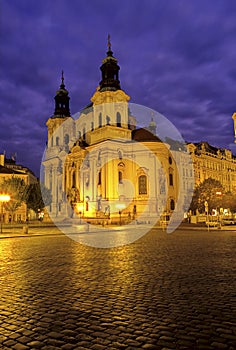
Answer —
(59, 137)
(110, 104)
(61, 112)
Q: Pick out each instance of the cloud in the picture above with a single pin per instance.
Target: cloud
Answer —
(176, 57)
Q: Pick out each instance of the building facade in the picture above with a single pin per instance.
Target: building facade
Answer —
(99, 164)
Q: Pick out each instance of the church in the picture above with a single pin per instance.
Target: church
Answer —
(100, 166)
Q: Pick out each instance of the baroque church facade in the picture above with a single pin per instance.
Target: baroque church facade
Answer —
(99, 164)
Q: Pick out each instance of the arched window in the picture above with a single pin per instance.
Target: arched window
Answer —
(100, 120)
(57, 141)
(108, 119)
(171, 179)
(118, 119)
(172, 204)
(99, 178)
(142, 184)
(73, 180)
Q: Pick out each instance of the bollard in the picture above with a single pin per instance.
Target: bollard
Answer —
(25, 229)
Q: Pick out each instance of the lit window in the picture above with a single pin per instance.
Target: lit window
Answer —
(142, 184)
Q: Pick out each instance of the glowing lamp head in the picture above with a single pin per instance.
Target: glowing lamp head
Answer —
(4, 197)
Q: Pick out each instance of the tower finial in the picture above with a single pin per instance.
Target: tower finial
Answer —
(62, 80)
(109, 42)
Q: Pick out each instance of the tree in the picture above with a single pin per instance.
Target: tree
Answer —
(38, 197)
(17, 189)
(229, 201)
(210, 191)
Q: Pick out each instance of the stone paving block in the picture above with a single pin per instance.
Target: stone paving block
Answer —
(35, 344)
(20, 347)
(68, 347)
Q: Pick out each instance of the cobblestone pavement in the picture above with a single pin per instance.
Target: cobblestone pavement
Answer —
(173, 291)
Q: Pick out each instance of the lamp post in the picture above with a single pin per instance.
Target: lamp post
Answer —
(207, 212)
(120, 206)
(4, 198)
(219, 194)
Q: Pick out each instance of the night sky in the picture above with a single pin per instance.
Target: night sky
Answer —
(176, 57)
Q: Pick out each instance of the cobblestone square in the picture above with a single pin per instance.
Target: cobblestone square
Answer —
(165, 291)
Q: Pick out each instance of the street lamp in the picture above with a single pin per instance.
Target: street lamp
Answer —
(4, 198)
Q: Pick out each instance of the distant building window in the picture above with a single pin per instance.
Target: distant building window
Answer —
(118, 119)
(51, 141)
(142, 184)
(171, 179)
(84, 132)
(92, 126)
(57, 141)
(108, 119)
(172, 204)
(170, 160)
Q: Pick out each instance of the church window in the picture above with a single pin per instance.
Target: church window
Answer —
(99, 178)
(120, 175)
(118, 119)
(120, 154)
(66, 139)
(171, 180)
(172, 204)
(73, 180)
(57, 141)
(142, 184)
(108, 120)
(100, 120)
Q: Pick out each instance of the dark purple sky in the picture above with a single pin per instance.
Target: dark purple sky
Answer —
(177, 57)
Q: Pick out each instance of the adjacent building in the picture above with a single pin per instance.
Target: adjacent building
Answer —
(8, 170)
